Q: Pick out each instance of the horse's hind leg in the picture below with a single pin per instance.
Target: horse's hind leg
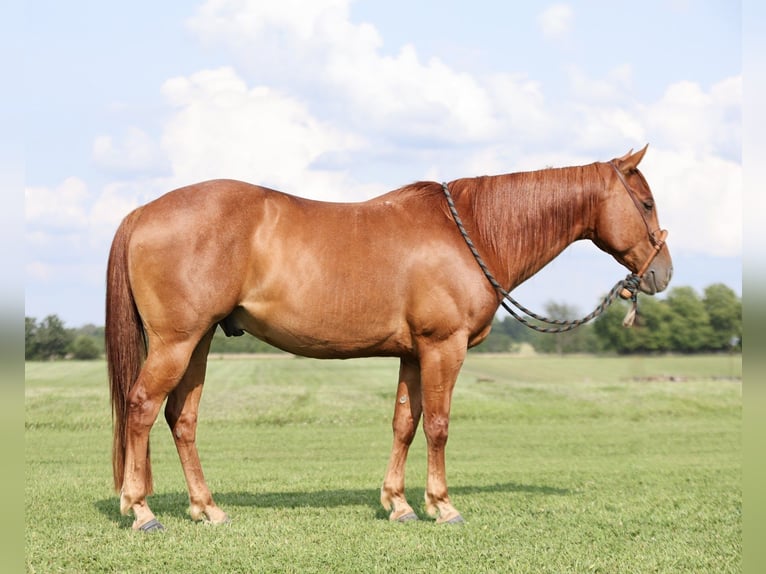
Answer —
(163, 369)
(181, 415)
(407, 412)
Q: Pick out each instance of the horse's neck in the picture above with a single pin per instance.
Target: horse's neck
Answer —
(536, 216)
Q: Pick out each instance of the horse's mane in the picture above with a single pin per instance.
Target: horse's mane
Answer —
(520, 215)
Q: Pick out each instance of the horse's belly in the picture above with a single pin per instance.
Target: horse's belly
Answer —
(312, 332)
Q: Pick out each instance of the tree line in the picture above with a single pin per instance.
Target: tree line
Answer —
(682, 322)
(49, 339)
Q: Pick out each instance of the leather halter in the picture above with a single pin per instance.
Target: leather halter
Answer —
(656, 237)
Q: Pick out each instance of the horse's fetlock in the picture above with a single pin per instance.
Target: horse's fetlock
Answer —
(125, 505)
(386, 498)
(197, 512)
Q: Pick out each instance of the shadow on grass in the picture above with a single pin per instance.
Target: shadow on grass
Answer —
(176, 503)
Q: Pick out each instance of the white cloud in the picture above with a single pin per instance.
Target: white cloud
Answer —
(38, 271)
(519, 104)
(694, 165)
(332, 100)
(284, 43)
(613, 128)
(699, 198)
(62, 207)
(137, 153)
(223, 128)
(556, 20)
(114, 202)
(233, 20)
(69, 215)
(616, 86)
(501, 122)
(398, 97)
(690, 118)
(72, 273)
(412, 98)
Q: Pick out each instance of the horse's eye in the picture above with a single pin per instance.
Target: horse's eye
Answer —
(648, 205)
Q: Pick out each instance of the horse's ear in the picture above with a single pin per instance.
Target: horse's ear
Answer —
(625, 157)
(630, 160)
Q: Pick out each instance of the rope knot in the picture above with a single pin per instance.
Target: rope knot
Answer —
(630, 286)
(630, 291)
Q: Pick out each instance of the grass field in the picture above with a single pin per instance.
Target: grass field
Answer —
(576, 464)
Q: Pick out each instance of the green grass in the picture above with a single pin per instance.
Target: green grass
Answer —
(574, 464)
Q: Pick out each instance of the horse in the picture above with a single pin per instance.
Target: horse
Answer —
(391, 276)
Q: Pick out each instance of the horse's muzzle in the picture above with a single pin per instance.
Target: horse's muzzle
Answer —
(656, 280)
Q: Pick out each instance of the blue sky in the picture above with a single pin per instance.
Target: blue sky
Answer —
(343, 100)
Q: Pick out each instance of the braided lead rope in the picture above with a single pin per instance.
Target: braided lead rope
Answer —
(630, 283)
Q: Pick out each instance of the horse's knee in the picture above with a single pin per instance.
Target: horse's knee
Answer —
(437, 429)
(404, 428)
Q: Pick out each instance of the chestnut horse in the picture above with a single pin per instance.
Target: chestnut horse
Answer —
(391, 276)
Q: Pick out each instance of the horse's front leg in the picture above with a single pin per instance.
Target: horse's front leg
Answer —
(407, 412)
(439, 366)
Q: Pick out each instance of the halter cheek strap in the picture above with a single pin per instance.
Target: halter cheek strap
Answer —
(657, 237)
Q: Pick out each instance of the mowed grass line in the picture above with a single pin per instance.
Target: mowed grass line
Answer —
(557, 464)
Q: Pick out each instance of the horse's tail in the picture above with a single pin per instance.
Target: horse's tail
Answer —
(125, 343)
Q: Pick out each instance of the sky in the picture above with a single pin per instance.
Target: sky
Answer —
(343, 100)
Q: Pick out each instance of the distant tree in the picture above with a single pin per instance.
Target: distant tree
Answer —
(653, 326)
(724, 311)
(690, 330)
(498, 340)
(94, 333)
(609, 330)
(243, 344)
(52, 338)
(31, 350)
(650, 332)
(578, 340)
(85, 347)
(517, 332)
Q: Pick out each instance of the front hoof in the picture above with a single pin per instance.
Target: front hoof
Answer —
(409, 517)
(153, 525)
(454, 520)
(220, 521)
(217, 516)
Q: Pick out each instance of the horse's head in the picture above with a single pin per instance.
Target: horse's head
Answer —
(626, 224)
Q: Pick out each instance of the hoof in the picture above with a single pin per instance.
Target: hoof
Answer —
(454, 520)
(153, 525)
(225, 521)
(409, 517)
